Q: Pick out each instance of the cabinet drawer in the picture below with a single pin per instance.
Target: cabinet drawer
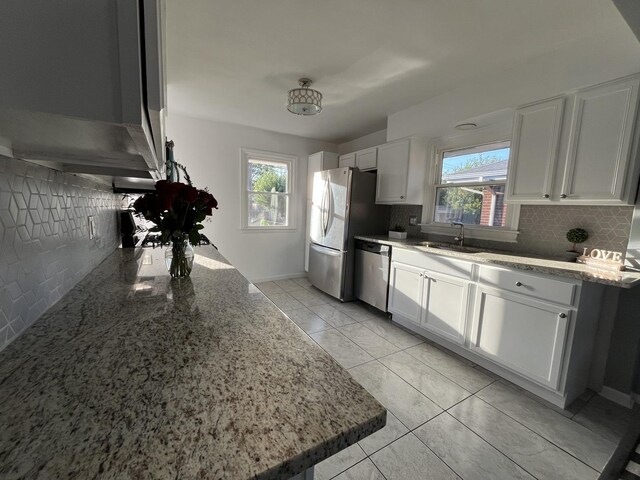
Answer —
(434, 263)
(544, 288)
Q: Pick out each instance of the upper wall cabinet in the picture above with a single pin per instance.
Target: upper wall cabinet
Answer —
(401, 172)
(367, 159)
(534, 150)
(589, 158)
(83, 85)
(347, 160)
(600, 143)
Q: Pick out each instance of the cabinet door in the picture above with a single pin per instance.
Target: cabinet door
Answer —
(445, 306)
(347, 160)
(600, 143)
(534, 151)
(393, 168)
(367, 159)
(522, 335)
(405, 291)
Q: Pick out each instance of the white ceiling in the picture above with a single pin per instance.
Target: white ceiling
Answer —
(234, 60)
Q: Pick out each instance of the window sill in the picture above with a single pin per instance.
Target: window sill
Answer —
(479, 233)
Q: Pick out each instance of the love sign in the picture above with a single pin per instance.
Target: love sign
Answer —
(603, 254)
(602, 260)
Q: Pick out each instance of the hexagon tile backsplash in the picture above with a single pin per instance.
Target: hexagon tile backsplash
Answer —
(44, 238)
(543, 228)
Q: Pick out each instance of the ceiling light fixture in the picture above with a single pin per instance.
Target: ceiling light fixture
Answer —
(466, 126)
(304, 100)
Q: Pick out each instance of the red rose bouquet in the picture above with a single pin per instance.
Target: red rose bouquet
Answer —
(177, 209)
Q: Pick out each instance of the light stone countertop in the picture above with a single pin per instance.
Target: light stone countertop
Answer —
(521, 262)
(133, 375)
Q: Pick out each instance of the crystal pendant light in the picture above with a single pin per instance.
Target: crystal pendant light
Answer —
(304, 100)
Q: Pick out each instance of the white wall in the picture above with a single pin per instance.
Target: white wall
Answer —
(575, 65)
(211, 152)
(371, 140)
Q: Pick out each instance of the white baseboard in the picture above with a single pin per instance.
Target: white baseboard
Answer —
(278, 277)
(624, 399)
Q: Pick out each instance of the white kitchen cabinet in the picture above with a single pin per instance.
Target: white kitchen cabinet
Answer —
(435, 301)
(445, 305)
(367, 159)
(534, 150)
(600, 143)
(589, 158)
(406, 285)
(316, 163)
(401, 172)
(347, 160)
(535, 330)
(521, 334)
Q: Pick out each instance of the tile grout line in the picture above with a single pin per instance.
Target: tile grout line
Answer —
(571, 418)
(484, 440)
(534, 432)
(446, 410)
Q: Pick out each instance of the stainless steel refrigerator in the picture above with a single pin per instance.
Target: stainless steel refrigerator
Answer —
(342, 206)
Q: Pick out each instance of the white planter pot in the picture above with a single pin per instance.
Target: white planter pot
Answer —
(397, 235)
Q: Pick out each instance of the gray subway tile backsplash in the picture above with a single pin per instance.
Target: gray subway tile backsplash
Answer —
(44, 238)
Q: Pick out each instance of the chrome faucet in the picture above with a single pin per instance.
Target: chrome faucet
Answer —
(460, 237)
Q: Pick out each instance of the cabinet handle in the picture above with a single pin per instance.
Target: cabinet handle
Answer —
(518, 284)
(546, 195)
(401, 197)
(562, 315)
(563, 195)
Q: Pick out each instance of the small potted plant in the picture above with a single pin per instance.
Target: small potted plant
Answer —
(398, 232)
(575, 236)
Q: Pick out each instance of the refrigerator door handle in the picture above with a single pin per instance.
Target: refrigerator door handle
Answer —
(324, 191)
(325, 206)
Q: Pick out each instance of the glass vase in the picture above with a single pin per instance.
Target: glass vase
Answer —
(179, 257)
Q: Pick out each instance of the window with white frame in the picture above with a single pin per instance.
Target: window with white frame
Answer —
(267, 183)
(470, 186)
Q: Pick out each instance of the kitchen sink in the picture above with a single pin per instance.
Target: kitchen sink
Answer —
(458, 248)
(451, 247)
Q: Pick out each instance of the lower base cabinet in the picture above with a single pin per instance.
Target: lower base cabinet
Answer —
(405, 291)
(525, 336)
(445, 306)
(536, 330)
(435, 301)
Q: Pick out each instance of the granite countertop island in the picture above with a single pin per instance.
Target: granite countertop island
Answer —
(522, 262)
(133, 375)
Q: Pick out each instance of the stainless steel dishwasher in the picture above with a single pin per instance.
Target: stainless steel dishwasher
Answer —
(372, 273)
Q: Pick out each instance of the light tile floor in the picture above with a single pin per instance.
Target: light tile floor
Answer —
(447, 417)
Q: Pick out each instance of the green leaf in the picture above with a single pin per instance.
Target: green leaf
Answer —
(194, 237)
